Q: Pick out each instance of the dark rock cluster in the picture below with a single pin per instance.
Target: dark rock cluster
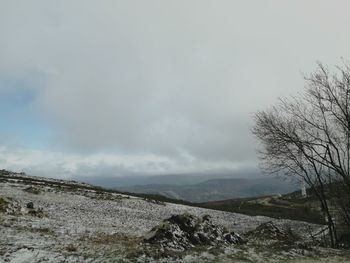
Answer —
(181, 232)
(269, 231)
(13, 207)
(34, 211)
(32, 190)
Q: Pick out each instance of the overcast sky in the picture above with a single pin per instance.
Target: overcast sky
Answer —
(152, 87)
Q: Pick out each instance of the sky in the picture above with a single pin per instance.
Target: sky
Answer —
(152, 87)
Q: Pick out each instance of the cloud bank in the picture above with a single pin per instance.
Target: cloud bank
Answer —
(173, 81)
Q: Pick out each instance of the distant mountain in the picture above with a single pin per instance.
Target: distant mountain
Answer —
(217, 189)
(126, 180)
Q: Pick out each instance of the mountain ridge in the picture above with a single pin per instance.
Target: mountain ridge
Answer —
(217, 189)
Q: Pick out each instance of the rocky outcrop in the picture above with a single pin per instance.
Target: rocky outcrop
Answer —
(13, 207)
(181, 232)
(10, 206)
(270, 231)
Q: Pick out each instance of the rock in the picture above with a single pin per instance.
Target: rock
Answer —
(30, 205)
(38, 212)
(32, 190)
(206, 218)
(181, 232)
(233, 238)
(10, 206)
(269, 231)
(344, 241)
(3, 204)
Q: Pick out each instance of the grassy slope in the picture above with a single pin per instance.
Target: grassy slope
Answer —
(73, 186)
(288, 206)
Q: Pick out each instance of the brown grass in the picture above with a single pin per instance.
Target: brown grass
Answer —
(3, 204)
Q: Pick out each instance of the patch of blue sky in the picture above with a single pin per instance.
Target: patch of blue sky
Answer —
(20, 121)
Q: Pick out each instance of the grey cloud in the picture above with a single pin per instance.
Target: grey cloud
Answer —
(166, 77)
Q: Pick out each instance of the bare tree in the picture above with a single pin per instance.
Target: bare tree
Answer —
(308, 137)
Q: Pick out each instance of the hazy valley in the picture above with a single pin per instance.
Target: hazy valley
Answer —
(217, 189)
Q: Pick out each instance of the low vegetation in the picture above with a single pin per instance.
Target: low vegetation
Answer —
(284, 207)
(3, 204)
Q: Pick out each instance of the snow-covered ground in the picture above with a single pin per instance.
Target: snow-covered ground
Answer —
(85, 225)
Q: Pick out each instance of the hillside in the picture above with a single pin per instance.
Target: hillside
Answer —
(217, 189)
(51, 220)
(288, 206)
